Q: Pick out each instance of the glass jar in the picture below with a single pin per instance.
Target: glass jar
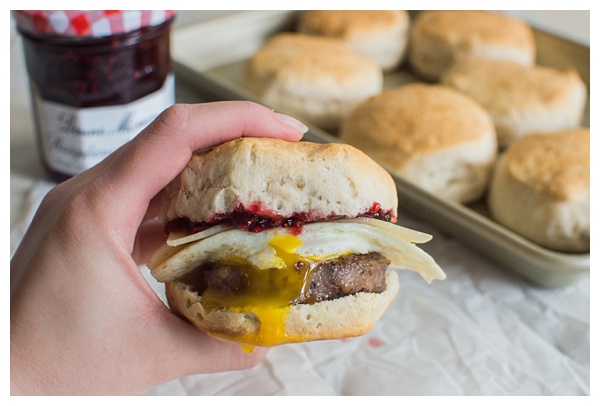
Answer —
(97, 78)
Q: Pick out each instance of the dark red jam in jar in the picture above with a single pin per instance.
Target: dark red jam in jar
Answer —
(97, 78)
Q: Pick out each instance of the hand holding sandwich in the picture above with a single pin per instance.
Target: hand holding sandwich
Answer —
(83, 319)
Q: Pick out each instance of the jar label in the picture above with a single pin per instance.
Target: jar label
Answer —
(75, 139)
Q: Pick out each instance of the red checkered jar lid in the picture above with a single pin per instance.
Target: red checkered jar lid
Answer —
(88, 23)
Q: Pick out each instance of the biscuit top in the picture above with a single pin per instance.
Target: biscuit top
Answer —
(503, 86)
(556, 164)
(348, 23)
(469, 30)
(415, 119)
(281, 178)
(320, 59)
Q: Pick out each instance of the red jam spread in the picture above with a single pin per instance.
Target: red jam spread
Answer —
(98, 71)
(256, 219)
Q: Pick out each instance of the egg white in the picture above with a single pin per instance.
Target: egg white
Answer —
(319, 241)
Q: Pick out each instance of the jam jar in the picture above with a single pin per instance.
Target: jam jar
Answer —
(97, 78)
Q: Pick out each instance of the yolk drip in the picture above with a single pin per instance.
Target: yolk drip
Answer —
(268, 293)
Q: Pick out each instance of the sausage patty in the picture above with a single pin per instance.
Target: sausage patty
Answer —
(327, 280)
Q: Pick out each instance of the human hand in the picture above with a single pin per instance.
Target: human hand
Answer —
(83, 318)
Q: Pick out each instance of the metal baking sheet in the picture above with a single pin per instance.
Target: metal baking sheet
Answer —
(211, 56)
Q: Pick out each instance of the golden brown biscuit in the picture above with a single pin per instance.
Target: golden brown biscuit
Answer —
(277, 174)
(432, 135)
(541, 189)
(521, 100)
(317, 79)
(440, 38)
(348, 316)
(381, 35)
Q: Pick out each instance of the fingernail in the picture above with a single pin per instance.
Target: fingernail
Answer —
(292, 122)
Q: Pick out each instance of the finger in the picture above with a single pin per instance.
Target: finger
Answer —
(199, 353)
(166, 146)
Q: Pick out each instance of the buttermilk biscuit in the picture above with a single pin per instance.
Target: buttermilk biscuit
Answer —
(439, 38)
(277, 174)
(349, 316)
(431, 135)
(541, 189)
(381, 35)
(317, 79)
(521, 100)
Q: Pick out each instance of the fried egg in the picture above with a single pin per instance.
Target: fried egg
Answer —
(317, 242)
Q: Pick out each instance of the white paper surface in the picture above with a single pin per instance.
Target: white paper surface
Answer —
(482, 331)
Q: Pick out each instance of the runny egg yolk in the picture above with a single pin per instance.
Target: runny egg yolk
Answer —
(268, 293)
